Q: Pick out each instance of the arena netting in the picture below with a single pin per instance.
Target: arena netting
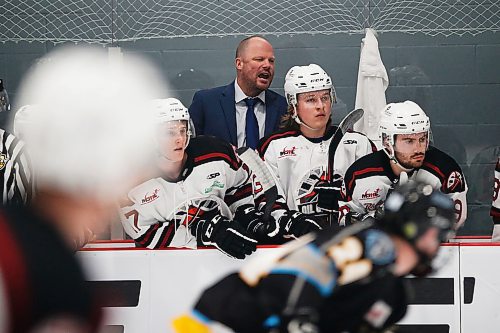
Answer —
(113, 21)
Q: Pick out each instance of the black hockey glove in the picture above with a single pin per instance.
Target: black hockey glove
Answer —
(226, 235)
(253, 221)
(296, 224)
(329, 194)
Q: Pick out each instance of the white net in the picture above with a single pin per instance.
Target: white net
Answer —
(112, 21)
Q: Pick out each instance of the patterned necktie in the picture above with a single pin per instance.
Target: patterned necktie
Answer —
(251, 126)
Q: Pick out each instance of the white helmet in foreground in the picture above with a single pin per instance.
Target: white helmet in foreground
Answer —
(402, 118)
(300, 79)
(171, 109)
(22, 120)
(89, 134)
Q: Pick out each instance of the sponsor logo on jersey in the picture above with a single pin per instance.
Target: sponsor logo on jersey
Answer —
(371, 195)
(215, 184)
(288, 152)
(150, 198)
(350, 142)
(454, 181)
(213, 175)
(370, 207)
(3, 160)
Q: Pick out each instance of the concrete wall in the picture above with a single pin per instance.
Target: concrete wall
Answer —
(455, 79)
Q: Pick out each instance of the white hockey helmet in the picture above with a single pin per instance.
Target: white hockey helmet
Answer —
(300, 79)
(171, 109)
(23, 119)
(402, 118)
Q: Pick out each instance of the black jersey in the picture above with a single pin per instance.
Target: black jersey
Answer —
(40, 279)
(347, 271)
(370, 179)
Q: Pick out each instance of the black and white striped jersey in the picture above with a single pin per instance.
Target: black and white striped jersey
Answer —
(16, 175)
(495, 205)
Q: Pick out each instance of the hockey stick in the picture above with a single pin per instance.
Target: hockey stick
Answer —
(257, 165)
(345, 125)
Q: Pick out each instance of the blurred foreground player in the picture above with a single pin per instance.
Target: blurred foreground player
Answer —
(406, 156)
(87, 139)
(344, 281)
(201, 196)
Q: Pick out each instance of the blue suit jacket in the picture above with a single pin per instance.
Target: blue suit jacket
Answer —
(213, 112)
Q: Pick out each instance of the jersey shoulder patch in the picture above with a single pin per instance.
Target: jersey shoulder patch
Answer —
(446, 169)
(281, 134)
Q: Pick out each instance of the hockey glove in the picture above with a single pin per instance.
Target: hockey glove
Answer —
(328, 194)
(295, 224)
(253, 221)
(226, 235)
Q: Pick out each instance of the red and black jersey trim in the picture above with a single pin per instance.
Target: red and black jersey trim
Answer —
(442, 166)
(279, 203)
(374, 164)
(205, 149)
(240, 193)
(265, 142)
(167, 234)
(495, 213)
(145, 239)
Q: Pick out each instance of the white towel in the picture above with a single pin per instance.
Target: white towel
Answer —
(372, 83)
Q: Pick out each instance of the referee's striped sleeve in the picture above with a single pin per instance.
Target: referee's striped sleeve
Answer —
(16, 174)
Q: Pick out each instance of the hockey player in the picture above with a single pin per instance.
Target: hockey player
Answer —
(347, 281)
(202, 195)
(495, 205)
(406, 156)
(298, 153)
(80, 140)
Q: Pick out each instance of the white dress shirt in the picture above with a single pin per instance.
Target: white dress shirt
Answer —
(241, 113)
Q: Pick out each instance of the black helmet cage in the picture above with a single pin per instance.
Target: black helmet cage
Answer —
(411, 209)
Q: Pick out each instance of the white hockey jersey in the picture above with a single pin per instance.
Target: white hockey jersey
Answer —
(160, 213)
(299, 162)
(370, 179)
(495, 205)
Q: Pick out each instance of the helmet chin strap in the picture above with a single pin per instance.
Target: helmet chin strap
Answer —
(394, 160)
(300, 122)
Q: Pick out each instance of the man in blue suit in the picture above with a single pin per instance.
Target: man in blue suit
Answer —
(222, 111)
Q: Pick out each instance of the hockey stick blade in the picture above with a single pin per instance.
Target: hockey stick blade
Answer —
(348, 122)
(257, 165)
(345, 125)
